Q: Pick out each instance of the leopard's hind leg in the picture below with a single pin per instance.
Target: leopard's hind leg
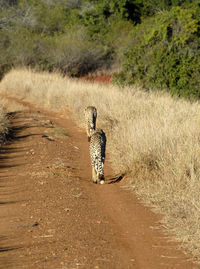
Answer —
(94, 175)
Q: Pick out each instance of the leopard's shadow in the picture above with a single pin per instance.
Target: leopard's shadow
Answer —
(115, 179)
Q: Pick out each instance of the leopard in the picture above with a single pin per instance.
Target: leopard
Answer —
(90, 120)
(97, 154)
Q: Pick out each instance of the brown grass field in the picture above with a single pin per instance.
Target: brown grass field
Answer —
(152, 138)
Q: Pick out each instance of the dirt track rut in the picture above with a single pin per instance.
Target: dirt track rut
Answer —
(53, 216)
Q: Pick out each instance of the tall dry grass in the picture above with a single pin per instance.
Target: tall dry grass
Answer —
(6, 107)
(153, 138)
(4, 122)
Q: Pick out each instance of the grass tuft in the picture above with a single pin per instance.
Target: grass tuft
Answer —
(4, 123)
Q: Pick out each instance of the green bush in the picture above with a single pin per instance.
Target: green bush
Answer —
(119, 39)
(70, 53)
(151, 7)
(47, 36)
(165, 53)
(99, 16)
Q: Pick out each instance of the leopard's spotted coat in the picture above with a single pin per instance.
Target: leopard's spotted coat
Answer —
(97, 154)
(90, 120)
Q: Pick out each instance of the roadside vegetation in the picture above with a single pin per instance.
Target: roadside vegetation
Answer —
(153, 43)
(6, 107)
(4, 123)
(165, 52)
(153, 138)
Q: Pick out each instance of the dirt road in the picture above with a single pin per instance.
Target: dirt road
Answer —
(53, 216)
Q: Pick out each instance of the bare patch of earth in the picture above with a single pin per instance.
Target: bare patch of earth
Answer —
(53, 216)
(103, 78)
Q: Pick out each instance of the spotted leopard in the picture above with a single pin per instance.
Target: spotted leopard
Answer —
(97, 154)
(90, 120)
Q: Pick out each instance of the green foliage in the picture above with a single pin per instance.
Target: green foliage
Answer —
(119, 39)
(72, 53)
(59, 34)
(7, 3)
(51, 19)
(157, 41)
(5, 58)
(98, 16)
(165, 53)
(47, 35)
(152, 7)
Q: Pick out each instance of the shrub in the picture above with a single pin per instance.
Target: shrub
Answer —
(165, 53)
(119, 43)
(4, 124)
(98, 16)
(152, 7)
(72, 53)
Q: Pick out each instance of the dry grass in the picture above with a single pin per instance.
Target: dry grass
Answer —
(4, 123)
(153, 138)
(5, 108)
(10, 106)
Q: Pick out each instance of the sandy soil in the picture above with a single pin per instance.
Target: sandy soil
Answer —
(103, 78)
(53, 216)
